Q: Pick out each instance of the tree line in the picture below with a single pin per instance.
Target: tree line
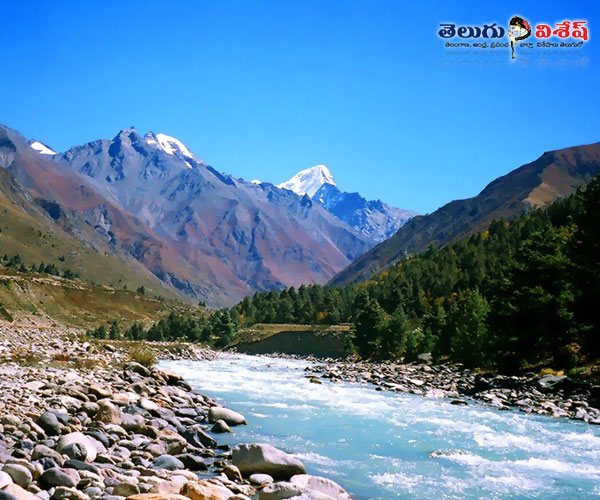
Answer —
(16, 262)
(519, 293)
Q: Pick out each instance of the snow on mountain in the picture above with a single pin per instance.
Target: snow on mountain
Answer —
(373, 219)
(42, 148)
(255, 181)
(309, 180)
(168, 144)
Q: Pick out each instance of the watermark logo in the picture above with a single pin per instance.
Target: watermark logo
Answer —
(568, 34)
(518, 29)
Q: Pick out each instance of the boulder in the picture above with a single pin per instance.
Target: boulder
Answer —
(232, 472)
(50, 423)
(260, 479)
(75, 451)
(42, 451)
(322, 485)
(192, 462)
(264, 458)
(125, 490)
(196, 436)
(91, 446)
(59, 477)
(167, 462)
(279, 491)
(19, 493)
(229, 416)
(19, 474)
(5, 479)
(220, 427)
(108, 413)
(205, 490)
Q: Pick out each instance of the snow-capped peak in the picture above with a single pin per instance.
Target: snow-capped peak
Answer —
(256, 181)
(42, 148)
(309, 180)
(168, 144)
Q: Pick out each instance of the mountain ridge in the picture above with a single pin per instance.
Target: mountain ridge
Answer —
(553, 175)
(374, 219)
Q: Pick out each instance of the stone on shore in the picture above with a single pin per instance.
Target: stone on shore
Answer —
(167, 462)
(90, 445)
(322, 485)
(5, 479)
(260, 479)
(206, 490)
(220, 427)
(230, 417)
(264, 458)
(19, 474)
(19, 493)
(59, 477)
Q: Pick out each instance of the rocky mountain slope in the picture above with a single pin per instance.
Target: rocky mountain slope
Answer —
(373, 219)
(165, 214)
(239, 236)
(554, 175)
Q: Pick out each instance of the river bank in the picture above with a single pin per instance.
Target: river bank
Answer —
(555, 395)
(80, 421)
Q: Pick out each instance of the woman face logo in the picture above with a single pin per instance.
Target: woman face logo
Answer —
(518, 29)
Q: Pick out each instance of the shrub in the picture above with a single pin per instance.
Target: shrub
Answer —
(143, 356)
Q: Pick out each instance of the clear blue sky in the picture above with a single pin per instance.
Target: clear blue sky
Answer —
(262, 89)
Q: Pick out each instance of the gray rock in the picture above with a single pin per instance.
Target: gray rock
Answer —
(167, 462)
(91, 446)
(229, 416)
(192, 462)
(260, 479)
(42, 451)
(75, 451)
(80, 465)
(59, 477)
(19, 474)
(220, 427)
(50, 423)
(196, 436)
(264, 458)
(125, 489)
(321, 484)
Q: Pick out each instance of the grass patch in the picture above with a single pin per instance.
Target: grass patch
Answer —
(143, 356)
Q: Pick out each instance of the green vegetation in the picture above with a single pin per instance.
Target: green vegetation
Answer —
(218, 329)
(16, 263)
(519, 294)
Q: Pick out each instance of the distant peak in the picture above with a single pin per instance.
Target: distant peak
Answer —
(309, 180)
(168, 144)
(41, 148)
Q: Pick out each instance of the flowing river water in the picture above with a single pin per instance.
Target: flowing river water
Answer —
(385, 445)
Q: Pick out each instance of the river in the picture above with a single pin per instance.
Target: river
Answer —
(385, 445)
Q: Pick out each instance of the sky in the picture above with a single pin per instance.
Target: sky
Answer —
(263, 89)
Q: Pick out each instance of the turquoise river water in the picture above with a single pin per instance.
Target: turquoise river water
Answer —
(385, 445)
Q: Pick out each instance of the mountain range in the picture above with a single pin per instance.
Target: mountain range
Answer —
(553, 175)
(143, 210)
(151, 203)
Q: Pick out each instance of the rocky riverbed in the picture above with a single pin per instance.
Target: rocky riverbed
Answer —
(558, 396)
(80, 420)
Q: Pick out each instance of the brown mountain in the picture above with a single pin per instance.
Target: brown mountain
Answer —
(554, 175)
(154, 206)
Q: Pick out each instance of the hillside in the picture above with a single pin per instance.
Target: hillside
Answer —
(520, 295)
(554, 175)
(43, 300)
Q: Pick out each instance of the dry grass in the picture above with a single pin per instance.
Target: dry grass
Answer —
(143, 356)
